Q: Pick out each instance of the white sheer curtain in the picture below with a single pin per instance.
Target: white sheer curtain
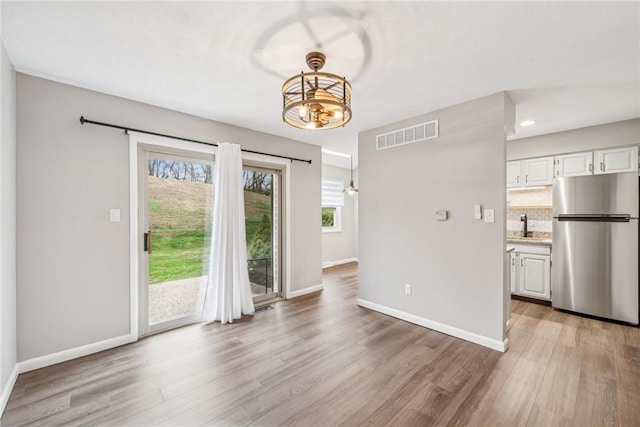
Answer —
(228, 294)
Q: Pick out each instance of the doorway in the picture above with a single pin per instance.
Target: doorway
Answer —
(176, 197)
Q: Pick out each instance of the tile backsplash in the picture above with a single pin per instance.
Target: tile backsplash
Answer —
(536, 203)
(536, 196)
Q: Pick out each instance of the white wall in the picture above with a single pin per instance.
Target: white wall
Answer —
(585, 139)
(73, 264)
(340, 246)
(455, 266)
(8, 340)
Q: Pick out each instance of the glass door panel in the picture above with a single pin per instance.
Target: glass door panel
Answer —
(179, 206)
(261, 204)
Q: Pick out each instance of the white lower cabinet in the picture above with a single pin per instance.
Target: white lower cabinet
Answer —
(530, 271)
(535, 274)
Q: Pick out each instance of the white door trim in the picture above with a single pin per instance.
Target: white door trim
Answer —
(135, 140)
(133, 237)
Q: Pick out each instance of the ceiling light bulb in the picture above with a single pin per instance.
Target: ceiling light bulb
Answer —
(338, 115)
(303, 111)
(526, 123)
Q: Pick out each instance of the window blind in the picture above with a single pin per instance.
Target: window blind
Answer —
(332, 192)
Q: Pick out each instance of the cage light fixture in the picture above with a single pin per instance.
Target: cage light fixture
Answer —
(316, 100)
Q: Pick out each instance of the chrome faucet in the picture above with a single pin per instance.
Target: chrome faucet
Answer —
(523, 218)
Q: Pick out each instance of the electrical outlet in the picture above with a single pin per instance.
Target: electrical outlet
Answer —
(533, 223)
(407, 289)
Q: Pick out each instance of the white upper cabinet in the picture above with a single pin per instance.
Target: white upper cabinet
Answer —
(513, 174)
(538, 171)
(616, 160)
(530, 172)
(542, 170)
(575, 164)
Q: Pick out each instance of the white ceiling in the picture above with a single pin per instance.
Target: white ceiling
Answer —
(566, 65)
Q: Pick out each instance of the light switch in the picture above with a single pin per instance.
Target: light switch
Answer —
(489, 216)
(114, 215)
(477, 211)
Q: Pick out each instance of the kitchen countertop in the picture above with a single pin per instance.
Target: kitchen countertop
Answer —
(530, 240)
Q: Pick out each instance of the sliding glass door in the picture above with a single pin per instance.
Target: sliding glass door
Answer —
(177, 210)
(262, 220)
(176, 190)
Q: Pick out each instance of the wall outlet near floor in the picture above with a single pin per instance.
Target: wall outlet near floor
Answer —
(407, 289)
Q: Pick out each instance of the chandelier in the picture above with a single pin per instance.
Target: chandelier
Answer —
(316, 100)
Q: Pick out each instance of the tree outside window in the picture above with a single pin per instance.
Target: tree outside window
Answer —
(332, 202)
(328, 217)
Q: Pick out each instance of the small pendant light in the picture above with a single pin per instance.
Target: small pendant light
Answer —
(351, 191)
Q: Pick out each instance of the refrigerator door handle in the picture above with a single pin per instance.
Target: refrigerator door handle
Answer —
(594, 217)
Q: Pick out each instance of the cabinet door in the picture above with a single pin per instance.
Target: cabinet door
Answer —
(513, 273)
(535, 275)
(538, 171)
(513, 174)
(576, 164)
(617, 160)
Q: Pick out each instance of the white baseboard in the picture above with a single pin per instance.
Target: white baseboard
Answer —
(8, 388)
(74, 353)
(327, 264)
(437, 326)
(305, 291)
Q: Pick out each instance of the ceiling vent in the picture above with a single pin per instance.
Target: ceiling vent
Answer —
(417, 133)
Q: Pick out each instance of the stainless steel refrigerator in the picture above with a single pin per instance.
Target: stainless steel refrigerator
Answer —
(594, 256)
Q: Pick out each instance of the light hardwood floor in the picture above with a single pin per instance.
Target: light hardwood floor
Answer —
(321, 360)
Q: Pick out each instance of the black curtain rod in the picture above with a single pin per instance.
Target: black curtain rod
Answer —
(127, 129)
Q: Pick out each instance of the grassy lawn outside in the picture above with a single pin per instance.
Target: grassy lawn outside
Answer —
(181, 226)
(178, 254)
(255, 206)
